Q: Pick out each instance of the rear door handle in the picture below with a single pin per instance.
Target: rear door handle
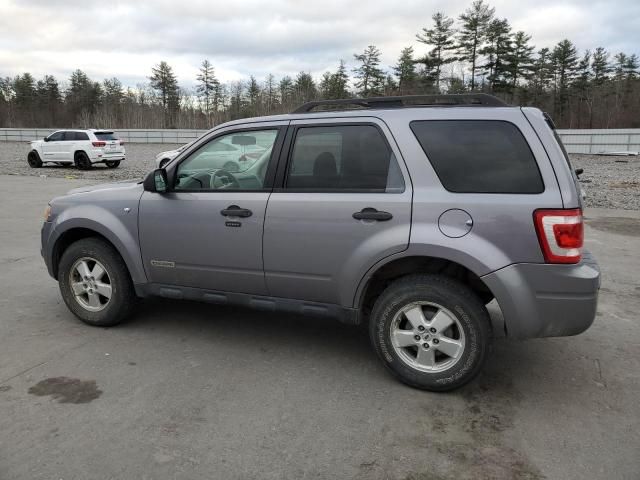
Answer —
(372, 214)
(236, 211)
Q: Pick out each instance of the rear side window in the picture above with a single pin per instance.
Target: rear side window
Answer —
(76, 136)
(343, 158)
(105, 136)
(479, 156)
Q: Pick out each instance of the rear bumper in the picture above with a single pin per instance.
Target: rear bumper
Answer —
(543, 300)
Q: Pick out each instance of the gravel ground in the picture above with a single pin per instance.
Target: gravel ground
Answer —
(140, 160)
(610, 182)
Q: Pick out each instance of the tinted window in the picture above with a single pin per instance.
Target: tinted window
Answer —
(72, 136)
(105, 136)
(479, 156)
(343, 158)
(56, 137)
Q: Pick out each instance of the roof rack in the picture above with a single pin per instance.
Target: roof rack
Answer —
(407, 101)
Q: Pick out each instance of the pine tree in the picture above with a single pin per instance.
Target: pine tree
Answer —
(440, 37)
(565, 59)
(498, 49)
(24, 88)
(600, 65)
(165, 83)
(339, 82)
(206, 88)
(405, 72)
(472, 34)
(82, 97)
(370, 77)
(304, 88)
(253, 97)
(286, 91)
(520, 59)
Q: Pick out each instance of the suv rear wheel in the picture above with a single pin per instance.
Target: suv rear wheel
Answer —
(95, 283)
(34, 160)
(430, 331)
(82, 161)
(112, 163)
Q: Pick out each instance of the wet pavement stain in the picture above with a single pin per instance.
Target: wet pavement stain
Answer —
(67, 390)
(619, 225)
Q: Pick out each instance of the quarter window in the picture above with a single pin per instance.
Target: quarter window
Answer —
(479, 156)
(343, 158)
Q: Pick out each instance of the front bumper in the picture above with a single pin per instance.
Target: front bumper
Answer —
(46, 249)
(544, 300)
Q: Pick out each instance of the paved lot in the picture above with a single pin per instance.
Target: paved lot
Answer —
(189, 390)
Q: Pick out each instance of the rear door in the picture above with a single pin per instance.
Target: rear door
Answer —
(342, 202)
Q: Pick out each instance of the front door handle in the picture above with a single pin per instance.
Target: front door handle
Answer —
(236, 211)
(372, 214)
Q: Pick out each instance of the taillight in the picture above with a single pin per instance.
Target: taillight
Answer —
(561, 234)
(99, 144)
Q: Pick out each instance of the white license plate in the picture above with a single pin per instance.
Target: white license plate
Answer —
(113, 146)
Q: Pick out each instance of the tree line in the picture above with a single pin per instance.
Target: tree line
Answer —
(475, 52)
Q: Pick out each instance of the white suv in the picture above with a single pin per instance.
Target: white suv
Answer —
(80, 147)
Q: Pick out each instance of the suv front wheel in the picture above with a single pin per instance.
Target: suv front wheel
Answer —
(95, 283)
(430, 331)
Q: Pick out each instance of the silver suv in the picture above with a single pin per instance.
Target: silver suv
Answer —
(409, 213)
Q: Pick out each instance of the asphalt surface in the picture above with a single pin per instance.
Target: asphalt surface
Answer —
(187, 390)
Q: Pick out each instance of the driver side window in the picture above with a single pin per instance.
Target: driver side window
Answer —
(234, 161)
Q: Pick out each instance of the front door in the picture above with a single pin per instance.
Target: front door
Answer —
(206, 232)
(52, 148)
(342, 203)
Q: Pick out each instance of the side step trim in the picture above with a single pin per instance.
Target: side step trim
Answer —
(345, 315)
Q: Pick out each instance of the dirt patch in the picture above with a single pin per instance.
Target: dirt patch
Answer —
(67, 390)
(5, 388)
(618, 225)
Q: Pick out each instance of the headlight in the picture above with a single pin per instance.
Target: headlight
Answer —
(47, 213)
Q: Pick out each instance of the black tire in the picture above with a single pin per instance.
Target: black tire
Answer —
(460, 301)
(34, 159)
(123, 298)
(112, 163)
(82, 161)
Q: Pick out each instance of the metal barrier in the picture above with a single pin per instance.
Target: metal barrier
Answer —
(576, 141)
(179, 136)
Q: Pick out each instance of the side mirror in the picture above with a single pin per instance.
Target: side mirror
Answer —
(156, 181)
(579, 171)
(46, 139)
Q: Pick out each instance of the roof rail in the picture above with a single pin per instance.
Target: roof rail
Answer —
(407, 101)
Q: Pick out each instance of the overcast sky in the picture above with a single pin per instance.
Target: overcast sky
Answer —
(242, 37)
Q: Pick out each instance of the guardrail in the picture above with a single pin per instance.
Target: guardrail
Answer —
(601, 140)
(180, 136)
(576, 141)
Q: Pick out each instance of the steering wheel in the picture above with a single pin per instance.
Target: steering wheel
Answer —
(222, 179)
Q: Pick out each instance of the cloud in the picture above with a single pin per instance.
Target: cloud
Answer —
(242, 37)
